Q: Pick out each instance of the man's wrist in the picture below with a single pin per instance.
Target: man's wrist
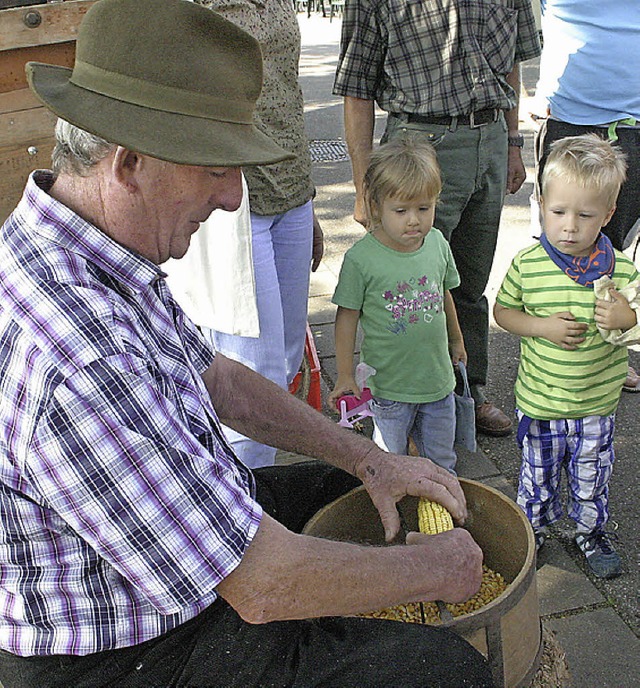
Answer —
(515, 140)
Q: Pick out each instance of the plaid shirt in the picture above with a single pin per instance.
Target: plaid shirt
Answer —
(122, 506)
(444, 57)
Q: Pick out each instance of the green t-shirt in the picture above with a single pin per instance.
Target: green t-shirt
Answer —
(552, 382)
(401, 300)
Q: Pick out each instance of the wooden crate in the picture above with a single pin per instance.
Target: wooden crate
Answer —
(42, 33)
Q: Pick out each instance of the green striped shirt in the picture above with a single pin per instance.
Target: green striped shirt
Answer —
(552, 382)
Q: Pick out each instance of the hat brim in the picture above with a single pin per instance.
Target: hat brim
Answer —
(177, 138)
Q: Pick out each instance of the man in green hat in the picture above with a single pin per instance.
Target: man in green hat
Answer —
(135, 549)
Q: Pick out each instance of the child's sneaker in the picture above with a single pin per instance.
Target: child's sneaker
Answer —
(602, 558)
(540, 535)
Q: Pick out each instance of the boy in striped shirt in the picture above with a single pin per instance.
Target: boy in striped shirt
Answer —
(571, 373)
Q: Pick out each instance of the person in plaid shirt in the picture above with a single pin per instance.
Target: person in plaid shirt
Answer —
(449, 72)
(135, 548)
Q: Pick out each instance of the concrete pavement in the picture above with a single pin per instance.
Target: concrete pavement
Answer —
(596, 622)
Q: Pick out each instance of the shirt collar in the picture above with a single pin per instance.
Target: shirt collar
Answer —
(59, 224)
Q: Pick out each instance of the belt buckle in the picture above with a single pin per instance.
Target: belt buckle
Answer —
(472, 121)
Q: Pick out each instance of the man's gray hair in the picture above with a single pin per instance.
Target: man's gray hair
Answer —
(77, 151)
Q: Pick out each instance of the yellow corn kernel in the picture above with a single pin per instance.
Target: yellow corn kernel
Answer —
(433, 518)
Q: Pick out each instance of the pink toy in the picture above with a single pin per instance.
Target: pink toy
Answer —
(353, 409)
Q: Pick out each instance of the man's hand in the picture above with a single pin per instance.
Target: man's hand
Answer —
(516, 172)
(616, 314)
(563, 329)
(453, 551)
(359, 212)
(389, 477)
(318, 244)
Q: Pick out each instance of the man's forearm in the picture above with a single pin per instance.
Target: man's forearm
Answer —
(359, 123)
(258, 408)
(512, 116)
(287, 576)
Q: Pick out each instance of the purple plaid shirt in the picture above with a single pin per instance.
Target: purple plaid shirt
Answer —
(121, 505)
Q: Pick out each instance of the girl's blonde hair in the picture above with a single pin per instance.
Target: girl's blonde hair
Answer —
(590, 162)
(403, 169)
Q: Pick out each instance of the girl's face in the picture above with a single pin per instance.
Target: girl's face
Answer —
(403, 224)
(573, 216)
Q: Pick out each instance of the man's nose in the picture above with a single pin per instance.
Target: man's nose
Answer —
(230, 195)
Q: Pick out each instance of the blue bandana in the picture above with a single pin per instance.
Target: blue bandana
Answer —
(584, 270)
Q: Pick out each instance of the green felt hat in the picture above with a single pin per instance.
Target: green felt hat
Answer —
(167, 78)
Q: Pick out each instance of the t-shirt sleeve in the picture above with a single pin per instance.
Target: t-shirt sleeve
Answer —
(451, 277)
(349, 292)
(510, 292)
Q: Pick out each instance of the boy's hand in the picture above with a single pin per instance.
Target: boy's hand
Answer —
(346, 385)
(616, 314)
(563, 329)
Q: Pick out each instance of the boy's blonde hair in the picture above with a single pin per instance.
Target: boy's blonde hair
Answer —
(588, 161)
(403, 169)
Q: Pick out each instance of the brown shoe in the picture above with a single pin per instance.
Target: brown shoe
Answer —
(490, 420)
(632, 383)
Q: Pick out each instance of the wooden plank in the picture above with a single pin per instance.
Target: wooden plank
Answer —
(22, 99)
(15, 165)
(59, 23)
(22, 127)
(12, 62)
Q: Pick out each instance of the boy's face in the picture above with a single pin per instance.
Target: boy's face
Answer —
(405, 223)
(572, 216)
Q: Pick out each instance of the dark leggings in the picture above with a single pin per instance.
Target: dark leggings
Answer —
(218, 649)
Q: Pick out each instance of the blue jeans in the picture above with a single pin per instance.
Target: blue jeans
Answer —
(282, 247)
(432, 427)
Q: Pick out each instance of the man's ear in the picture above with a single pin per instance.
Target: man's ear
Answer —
(125, 166)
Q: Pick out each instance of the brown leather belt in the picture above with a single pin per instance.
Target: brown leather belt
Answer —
(475, 119)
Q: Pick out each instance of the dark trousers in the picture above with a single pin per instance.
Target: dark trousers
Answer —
(628, 204)
(218, 649)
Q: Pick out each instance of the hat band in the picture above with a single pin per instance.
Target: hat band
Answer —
(156, 96)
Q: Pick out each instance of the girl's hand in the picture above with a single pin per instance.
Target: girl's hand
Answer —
(457, 351)
(616, 314)
(345, 385)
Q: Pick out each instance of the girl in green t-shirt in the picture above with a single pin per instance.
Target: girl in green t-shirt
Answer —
(395, 282)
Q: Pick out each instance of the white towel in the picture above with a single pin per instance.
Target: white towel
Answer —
(214, 282)
(631, 293)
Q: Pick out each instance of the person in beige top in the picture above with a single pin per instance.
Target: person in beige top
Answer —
(286, 236)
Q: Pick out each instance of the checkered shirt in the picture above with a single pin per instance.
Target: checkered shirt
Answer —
(122, 507)
(446, 57)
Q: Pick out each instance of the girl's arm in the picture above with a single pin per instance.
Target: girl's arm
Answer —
(456, 340)
(560, 328)
(346, 327)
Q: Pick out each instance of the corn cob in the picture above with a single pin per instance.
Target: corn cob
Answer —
(433, 518)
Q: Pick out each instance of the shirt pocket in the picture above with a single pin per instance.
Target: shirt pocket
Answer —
(492, 28)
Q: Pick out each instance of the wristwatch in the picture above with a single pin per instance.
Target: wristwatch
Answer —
(517, 141)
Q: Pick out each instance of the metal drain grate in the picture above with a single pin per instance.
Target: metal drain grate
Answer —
(328, 151)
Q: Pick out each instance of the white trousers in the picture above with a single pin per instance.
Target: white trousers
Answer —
(282, 246)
